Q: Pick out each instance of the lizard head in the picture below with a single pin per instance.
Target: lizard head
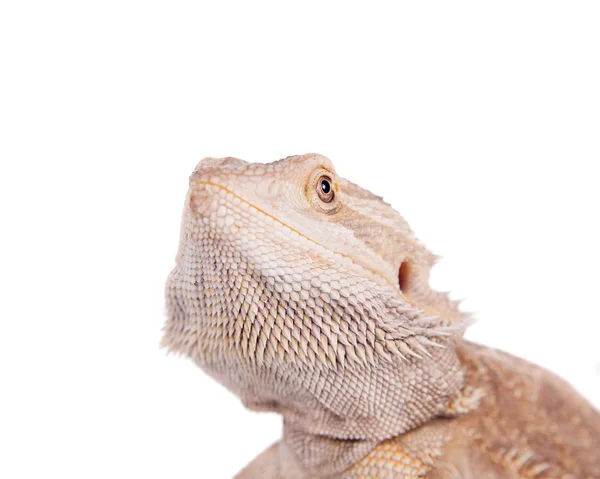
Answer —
(306, 294)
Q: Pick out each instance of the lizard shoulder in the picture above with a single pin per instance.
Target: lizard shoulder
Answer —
(529, 422)
(513, 420)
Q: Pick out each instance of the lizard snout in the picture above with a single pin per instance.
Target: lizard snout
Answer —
(211, 167)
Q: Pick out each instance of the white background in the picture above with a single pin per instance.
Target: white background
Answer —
(479, 121)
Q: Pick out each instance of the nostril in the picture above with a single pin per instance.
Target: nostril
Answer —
(404, 275)
(201, 200)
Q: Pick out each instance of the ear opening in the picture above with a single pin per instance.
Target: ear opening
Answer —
(404, 276)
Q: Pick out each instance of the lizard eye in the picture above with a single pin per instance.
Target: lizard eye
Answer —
(325, 189)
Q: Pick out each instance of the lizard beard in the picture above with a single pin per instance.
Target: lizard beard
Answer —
(294, 331)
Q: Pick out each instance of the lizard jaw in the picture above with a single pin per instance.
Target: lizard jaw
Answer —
(208, 199)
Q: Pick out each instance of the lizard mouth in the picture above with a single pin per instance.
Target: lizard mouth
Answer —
(198, 200)
(203, 203)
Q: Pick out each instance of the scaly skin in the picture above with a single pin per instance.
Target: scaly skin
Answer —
(313, 301)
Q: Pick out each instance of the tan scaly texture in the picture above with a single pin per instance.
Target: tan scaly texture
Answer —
(307, 295)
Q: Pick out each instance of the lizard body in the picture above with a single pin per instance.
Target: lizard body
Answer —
(307, 295)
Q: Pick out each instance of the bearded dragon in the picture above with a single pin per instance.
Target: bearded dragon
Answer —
(307, 295)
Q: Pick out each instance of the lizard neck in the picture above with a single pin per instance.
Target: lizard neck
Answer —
(311, 451)
(322, 456)
(334, 417)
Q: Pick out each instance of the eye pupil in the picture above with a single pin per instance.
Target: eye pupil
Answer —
(325, 186)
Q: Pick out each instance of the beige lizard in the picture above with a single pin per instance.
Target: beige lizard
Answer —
(307, 295)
